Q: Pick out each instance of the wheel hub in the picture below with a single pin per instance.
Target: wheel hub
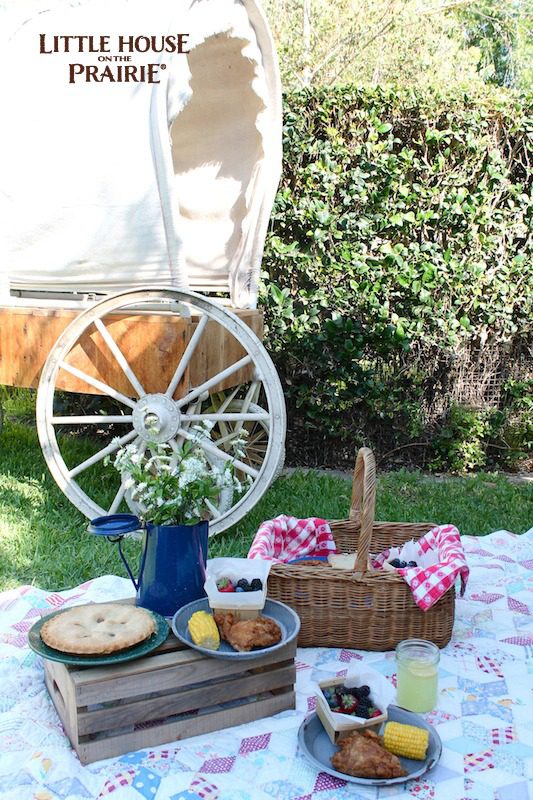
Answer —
(156, 418)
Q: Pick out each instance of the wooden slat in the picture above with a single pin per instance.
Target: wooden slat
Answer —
(61, 691)
(166, 671)
(183, 729)
(166, 705)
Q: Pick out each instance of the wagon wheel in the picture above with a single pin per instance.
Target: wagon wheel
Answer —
(172, 416)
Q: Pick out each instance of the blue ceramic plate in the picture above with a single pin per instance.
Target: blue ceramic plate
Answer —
(318, 748)
(287, 619)
(137, 651)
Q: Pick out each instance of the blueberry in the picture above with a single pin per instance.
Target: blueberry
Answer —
(243, 584)
(240, 589)
(402, 565)
(395, 562)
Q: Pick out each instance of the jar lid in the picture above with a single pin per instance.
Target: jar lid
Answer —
(114, 524)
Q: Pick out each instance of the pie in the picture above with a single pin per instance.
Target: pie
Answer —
(98, 629)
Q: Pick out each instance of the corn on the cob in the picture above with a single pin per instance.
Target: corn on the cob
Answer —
(406, 740)
(203, 630)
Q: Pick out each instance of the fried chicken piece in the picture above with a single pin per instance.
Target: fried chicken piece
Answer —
(224, 622)
(363, 756)
(244, 634)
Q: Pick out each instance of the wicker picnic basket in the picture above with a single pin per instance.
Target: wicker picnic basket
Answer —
(364, 609)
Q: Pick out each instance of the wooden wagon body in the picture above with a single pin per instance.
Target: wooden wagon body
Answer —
(151, 343)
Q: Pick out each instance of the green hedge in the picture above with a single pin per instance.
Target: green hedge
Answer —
(400, 237)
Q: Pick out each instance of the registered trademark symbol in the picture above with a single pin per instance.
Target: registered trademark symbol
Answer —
(163, 66)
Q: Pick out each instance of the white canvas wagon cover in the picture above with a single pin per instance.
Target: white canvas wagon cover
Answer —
(111, 180)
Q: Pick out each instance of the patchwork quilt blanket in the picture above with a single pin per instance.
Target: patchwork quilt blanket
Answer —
(484, 715)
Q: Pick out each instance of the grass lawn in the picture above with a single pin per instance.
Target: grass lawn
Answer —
(43, 538)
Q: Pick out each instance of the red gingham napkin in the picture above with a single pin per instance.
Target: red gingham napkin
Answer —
(428, 585)
(285, 538)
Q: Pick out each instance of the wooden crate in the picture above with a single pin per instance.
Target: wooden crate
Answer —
(173, 693)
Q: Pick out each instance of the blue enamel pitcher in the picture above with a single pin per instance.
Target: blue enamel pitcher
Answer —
(173, 560)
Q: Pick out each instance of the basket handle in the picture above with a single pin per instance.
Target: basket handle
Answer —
(364, 503)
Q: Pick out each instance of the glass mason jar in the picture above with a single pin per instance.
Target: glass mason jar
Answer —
(417, 674)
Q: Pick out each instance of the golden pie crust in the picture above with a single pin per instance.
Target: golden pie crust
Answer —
(98, 628)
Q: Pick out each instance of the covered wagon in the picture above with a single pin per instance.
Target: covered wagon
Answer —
(137, 204)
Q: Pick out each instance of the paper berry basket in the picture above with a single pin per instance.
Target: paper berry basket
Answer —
(245, 605)
(339, 725)
(363, 608)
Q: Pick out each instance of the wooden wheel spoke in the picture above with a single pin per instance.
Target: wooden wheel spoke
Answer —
(226, 417)
(103, 387)
(251, 394)
(92, 420)
(120, 358)
(111, 448)
(220, 376)
(117, 499)
(212, 449)
(184, 362)
(212, 508)
(227, 400)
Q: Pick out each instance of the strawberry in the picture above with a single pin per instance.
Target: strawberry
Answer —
(348, 703)
(225, 585)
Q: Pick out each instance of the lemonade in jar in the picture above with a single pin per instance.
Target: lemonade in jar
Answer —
(417, 674)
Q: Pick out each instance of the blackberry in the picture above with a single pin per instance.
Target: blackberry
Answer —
(395, 563)
(364, 691)
(243, 584)
(412, 564)
(256, 585)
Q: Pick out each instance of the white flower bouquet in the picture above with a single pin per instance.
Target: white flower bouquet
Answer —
(176, 487)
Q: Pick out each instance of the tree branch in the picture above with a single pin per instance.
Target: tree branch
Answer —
(352, 37)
